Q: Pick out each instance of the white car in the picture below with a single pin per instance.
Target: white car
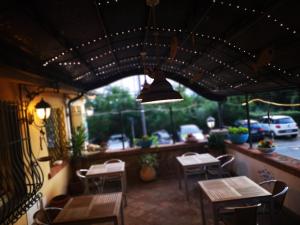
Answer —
(115, 141)
(190, 129)
(281, 126)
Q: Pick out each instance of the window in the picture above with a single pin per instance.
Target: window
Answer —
(284, 121)
(56, 135)
(21, 176)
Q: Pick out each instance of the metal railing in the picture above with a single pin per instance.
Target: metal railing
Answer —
(21, 175)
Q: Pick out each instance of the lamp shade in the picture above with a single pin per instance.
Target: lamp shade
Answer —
(89, 111)
(211, 122)
(161, 91)
(145, 88)
(43, 109)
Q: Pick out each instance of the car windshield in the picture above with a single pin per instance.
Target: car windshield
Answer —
(283, 121)
(164, 135)
(245, 122)
(189, 130)
(116, 138)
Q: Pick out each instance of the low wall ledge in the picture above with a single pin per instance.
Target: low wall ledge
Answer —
(285, 163)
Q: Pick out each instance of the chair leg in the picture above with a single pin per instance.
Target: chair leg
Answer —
(186, 186)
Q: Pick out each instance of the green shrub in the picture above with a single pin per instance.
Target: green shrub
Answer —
(77, 141)
(216, 142)
(149, 160)
(238, 130)
(145, 138)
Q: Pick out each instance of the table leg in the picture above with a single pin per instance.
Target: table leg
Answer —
(186, 185)
(123, 183)
(202, 208)
(220, 171)
(272, 211)
(122, 214)
(179, 175)
(116, 222)
(215, 214)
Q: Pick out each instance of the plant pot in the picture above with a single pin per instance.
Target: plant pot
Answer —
(145, 144)
(266, 150)
(147, 173)
(59, 201)
(238, 138)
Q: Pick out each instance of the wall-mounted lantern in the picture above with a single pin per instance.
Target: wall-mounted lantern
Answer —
(211, 122)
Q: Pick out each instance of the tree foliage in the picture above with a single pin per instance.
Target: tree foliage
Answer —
(194, 109)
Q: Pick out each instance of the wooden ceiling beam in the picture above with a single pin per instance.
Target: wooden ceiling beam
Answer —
(14, 57)
(230, 34)
(40, 20)
(103, 26)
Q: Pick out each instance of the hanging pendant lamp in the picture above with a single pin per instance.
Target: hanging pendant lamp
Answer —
(160, 91)
(145, 88)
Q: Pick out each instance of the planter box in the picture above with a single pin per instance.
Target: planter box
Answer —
(238, 138)
(145, 144)
(266, 150)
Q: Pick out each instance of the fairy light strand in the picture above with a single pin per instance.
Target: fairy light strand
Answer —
(272, 103)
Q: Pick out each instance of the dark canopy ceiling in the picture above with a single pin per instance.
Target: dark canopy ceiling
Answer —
(217, 48)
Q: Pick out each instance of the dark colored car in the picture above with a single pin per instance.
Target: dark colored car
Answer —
(258, 130)
(163, 137)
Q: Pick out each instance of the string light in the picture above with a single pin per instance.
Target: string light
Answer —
(268, 16)
(169, 68)
(163, 45)
(139, 29)
(106, 2)
(272, 103)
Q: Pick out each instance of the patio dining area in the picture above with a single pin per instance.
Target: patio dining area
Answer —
(204, 128)
(198, 193)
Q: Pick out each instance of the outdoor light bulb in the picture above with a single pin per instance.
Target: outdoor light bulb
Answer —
(211, 122)
(90, 111)
(43, 110)
(43, 113)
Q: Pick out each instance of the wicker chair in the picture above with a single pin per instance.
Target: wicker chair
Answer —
(112, 178)
(225, 161)
(279, 191)
(242, 215)
(89, 185)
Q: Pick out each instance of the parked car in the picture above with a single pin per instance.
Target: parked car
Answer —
(115, 141)
(281, 125)
(258, 130)
(193, 129)
(163, 137)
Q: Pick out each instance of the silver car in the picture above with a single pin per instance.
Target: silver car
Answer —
(281, 125)
(163, 137)
(190, 129)
(115, 141)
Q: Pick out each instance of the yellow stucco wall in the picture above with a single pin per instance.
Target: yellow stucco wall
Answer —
(57, 184)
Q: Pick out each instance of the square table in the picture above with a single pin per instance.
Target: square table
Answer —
(226, 191)
(109, 170)
(89, 209)
(190, 162)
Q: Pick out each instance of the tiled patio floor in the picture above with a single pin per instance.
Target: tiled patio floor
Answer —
(160, 202)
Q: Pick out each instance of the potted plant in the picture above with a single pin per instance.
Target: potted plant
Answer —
(77, 142)
(266, 146)
(146, 141)
(216, 143)
(76, 145)
(238, 135)
(148, 163)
